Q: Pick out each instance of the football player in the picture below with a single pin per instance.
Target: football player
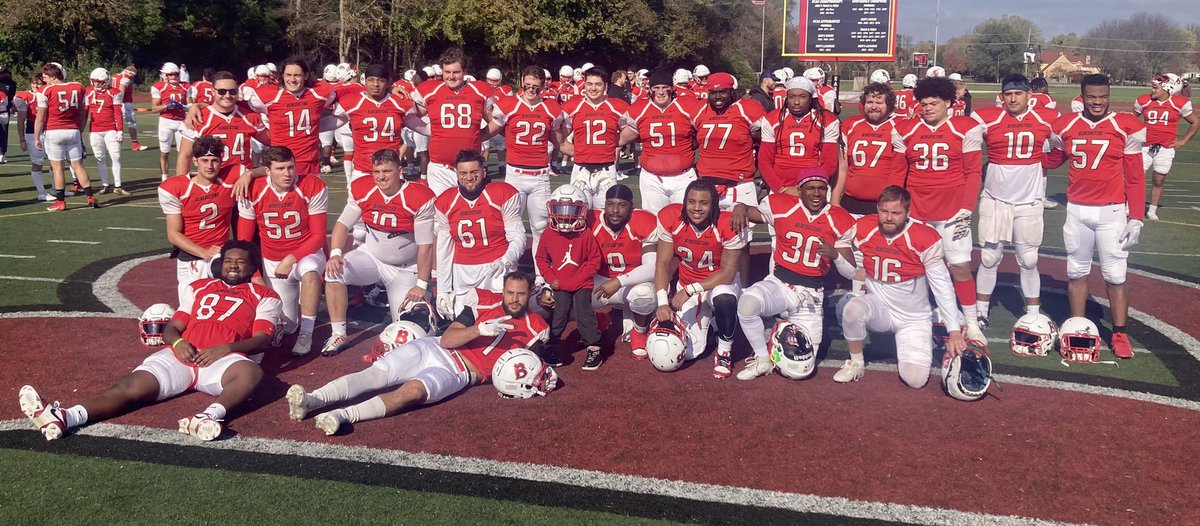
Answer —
(943, 176)
(663, 123)
(1106, 198)
(798, 136)
(708, 248)
(595, 124)
(219, 322)
(495, 79)
(479, 233)
(868, 158)
(169, 97)
(568, 259)
(906, 104)
(826, 95)
(225, 120)
(60, 115)
(1014, 188)
(903, 262)
(808, 236)
(1039, 95)
(124, 81)
(1162, 109)
(290, 214)
(726, 131)
(427, 370)
(25, 105)
(530, 123)
(457, 111)
(107, 121)
(627, 237)
(376, 118)
(699, 83)
(398, 250)
(293, 111)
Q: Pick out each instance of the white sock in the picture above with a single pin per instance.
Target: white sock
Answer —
(971, 313)
(857, 359)
(215, 411)
(75, 416)
(39, 183)
(1153, 208)
(368, 410)
(982, 307)
(306, 324)
(339, 327)
(1032, 309)
(724, 347)
(349, 386)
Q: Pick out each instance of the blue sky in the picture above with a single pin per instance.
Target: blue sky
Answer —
(1053, 17)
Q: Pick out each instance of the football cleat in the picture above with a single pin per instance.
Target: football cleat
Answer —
(756, 366)
(297, 401)
(120, 191)
(303, 344)
(325, 168)
(972, 332)
(551, 357)
(58, 206)
(1152, 215)
(594, 358)
(105, 190)
(334, 344)
(328, 423)
(982, 320)
(47, 419)
(1121, 346)
(637, 344)
(137, 146)
(92, 202)
(722, 365)
(200, 426)
(850, 372)
(1049, 204)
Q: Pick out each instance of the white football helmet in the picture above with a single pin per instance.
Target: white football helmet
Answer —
(394, 336)
(437, 69)
(419, 313)
(99, 74)
(681, 76)
(787, 72)
(577, 74)
(261, 70)
(344, 72)
(494, 74)
(792, 350)
(521, 373)
(331, 73)
(153, 322)
(1079, 340)
(881, 76)
(586, 66)
(410, 74)
(271, 67)
(909, 81)
(666, 344)
(568, 208)
(566, 71)
(955, 76)
(935, 71)
(1169, 82)
(1033, 335)
(169, 67)
(967, 377)
(250, 73)
(700, 71)
(816, 75)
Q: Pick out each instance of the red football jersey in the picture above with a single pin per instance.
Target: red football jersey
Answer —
(597, 128)
(699, 252)
(565, 90)
(105, 109)
(779, 95)
(622, 250)
(527, 129)
(405, 89)
(484, 351)
(455, 117)
(906, 103)
(165, 91)
(899, 258)
(1097, 152)
(235, 129)
(207, 211)
(124, 83)
(203, 92)
(826, 96)
(685, 93)
(796, 234)
(944, 165)
(870, 158)
(30, 100)
(668, 138)
(477, 227)
(1077, 104)
(791, 144)
(700, 90)
(504, 90)
(374, 125)
(1015, 140)
(63, 102)
(1162, 117)
(726, 140)
(395, 223)
(215, 313)
(289, 223)
(293, 118)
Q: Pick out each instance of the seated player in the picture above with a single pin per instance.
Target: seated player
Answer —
(397, 251)
(429, 369)
(219, 322)
(290, 213)
(628, 253)
(702, 237)
(568, 258)
(903, 262)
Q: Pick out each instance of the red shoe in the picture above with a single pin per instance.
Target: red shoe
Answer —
(58, 206)
(637, 342)
(136, 146)
(356, 298)
(1121, 346)
(92, 202)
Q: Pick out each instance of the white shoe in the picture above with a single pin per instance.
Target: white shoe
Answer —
(1152, 215)
(326, 169)
(3, 159)
(333, 160)
(334, 344)
(164, 177)
(328, 423)
(303, 344)
(756, 366)
(297, 401)
(1049, 204)
(46, 197)
(200, 426)
(850, 372)
(47, 419)
(974, 333)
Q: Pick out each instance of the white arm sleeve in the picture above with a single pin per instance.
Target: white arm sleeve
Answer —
(423, 224)
(350, 214)
(445, 251)
(169, 202)
(514, 231)
(643, 273)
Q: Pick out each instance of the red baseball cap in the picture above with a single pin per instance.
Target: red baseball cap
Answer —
(721, 81)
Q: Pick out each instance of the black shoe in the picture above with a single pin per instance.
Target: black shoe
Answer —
(983, 321)
(550, 356)
(594, 359)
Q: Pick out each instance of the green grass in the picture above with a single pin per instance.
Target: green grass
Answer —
(46, 488)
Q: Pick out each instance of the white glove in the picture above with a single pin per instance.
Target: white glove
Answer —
(494, 327)
(1129, 237)
(962, 223)
(445, 305)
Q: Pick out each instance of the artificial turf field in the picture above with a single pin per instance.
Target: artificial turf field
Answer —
(52, 262)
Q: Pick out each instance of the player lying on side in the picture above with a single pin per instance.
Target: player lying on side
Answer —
(219, 322)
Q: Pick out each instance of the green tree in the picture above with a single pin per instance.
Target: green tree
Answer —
(997, 45)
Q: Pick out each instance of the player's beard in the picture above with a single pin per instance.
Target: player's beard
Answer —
(515, 314)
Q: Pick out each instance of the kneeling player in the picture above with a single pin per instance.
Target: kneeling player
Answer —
(808, 235)
(219, 322)
(290, 212)
(903, 261)
(707, 246)
(627, 238)
(430, 369)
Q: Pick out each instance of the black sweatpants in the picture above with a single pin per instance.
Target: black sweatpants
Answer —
(579, 303)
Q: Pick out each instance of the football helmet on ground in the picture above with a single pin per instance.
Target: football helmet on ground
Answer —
(153, 322)
(1079, 340)
(1033, 335)
(792, 350)
(967, 376)
(520, 373)
(666, 344)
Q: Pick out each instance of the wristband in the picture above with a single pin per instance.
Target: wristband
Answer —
(662, 298)
(422, 284)
(337, 253)
(694, 289)
(176, 343)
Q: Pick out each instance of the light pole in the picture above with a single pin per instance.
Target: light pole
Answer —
(937, 15)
